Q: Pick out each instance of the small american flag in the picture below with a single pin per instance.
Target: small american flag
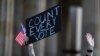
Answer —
(20, 38)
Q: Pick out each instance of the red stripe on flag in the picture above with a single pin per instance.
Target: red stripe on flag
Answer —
(20, 38)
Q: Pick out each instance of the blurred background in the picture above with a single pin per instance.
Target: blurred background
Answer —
(78, 18)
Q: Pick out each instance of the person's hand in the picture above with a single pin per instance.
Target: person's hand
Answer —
(90, 39)
(25, 39)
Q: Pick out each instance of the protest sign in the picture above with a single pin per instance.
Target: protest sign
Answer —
(44, 24)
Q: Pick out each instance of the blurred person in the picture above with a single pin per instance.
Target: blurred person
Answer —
(90, 47)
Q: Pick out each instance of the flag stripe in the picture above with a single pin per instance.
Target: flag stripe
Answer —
(19, 41)
(20, 38)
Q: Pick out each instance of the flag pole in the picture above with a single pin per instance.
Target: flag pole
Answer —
(31, 50)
